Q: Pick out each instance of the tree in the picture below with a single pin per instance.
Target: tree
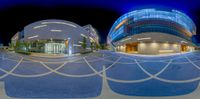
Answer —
(97, 46)
(26, 45)
(92, 45)
(17, 46)
(84, 43)
(23, 46)
(104, 46)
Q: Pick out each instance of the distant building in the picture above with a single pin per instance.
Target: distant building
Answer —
(92, 33)
(1, 45)
(14, 39)
(55, 37)
(151, 31)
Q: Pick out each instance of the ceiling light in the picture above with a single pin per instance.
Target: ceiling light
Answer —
(147, 38)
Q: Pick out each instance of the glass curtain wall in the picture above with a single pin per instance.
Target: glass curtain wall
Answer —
(54, 48)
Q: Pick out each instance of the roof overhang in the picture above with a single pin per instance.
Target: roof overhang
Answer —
(154, 37)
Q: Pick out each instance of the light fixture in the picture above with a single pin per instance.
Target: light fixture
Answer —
(175, 45)
(59, 23)
(125, 39)
(142, 44)
(166, 45)
(39, 26)
(56, 30)
(76, 45)
(83, 35)
(184, 42)
(31, 37)
(147, 38)
(70, 50)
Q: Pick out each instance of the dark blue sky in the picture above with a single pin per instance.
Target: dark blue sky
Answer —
(119, 5)
(15, 14)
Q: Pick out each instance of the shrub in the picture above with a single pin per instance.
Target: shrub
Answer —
(86, 52)
(23, 52)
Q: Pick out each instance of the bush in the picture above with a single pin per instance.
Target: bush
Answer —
(86, 52)
(23, 52)
(10, 49)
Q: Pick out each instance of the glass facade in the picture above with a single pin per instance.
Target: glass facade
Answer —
(55, 48)
(152, 20)
(157, 28)
(48, 46)
(118, 33)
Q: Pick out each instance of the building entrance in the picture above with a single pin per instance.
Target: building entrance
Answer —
(132, 47)
(184, 48)
(55, 48)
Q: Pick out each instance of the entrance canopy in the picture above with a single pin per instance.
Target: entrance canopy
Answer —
(153, 37)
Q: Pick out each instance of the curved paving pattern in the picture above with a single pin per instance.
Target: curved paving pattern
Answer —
(81, 76)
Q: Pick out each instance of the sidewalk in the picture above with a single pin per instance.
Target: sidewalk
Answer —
(157, 55)
(51, 55)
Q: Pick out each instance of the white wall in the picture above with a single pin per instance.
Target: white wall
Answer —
(156, 48)
(121, 48)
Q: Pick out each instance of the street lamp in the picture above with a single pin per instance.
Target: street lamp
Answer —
(69, 46)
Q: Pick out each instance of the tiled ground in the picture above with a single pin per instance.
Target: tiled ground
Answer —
(85, 76)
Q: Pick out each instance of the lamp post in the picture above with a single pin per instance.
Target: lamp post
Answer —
(69, 46)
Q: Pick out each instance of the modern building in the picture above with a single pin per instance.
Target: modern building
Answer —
(152, 31)
(14, 39)
(55, 37)
(92, 33)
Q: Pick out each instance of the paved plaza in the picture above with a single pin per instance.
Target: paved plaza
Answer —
(100, 75)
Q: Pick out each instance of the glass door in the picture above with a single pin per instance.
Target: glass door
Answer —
(54, 48)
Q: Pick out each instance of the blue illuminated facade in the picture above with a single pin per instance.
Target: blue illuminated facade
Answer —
(172, 23)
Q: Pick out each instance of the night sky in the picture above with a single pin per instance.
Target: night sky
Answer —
(101, 14)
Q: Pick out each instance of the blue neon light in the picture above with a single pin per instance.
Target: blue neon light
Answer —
(117, 33)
